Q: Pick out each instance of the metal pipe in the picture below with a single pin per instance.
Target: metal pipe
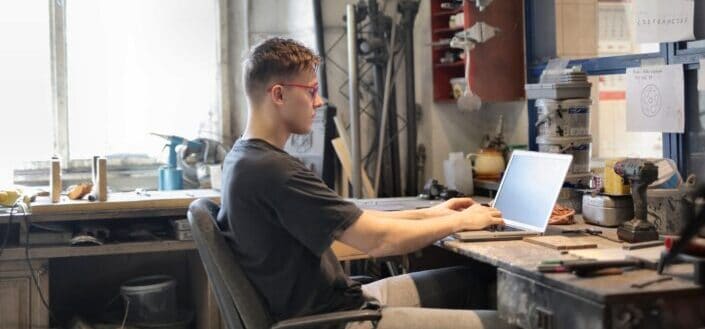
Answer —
(409, 10)
(354, 101)
(385, 107)
(321, 48)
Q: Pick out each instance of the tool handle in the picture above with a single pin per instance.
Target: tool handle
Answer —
(589, 266)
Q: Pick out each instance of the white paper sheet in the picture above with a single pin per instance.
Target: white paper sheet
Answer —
(663, 21)
(655, 99)
(701, 75)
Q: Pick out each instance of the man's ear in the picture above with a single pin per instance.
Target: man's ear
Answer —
(277, 95)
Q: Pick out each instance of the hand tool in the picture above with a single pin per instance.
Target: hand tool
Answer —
(640, 173)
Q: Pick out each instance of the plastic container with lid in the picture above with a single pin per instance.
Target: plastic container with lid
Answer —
(570, 117)
(578, 146)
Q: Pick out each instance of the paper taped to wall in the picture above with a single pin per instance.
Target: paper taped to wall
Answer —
(655, 99)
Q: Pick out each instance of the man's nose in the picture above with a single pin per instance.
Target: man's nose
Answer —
(318, 101)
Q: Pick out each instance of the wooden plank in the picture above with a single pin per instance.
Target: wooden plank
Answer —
(107, 249)
(344, 156)
(342, 251)
(562, 242)
(124, 201)
(207, 312)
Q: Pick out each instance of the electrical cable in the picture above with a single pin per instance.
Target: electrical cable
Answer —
(7, 231)
(28, 223)
(127, 311)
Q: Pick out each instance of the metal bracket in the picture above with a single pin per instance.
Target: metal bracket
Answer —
(478, 33)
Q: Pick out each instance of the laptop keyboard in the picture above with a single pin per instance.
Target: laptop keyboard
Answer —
(503, 229)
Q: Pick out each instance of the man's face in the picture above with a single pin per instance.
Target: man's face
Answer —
(299, 102)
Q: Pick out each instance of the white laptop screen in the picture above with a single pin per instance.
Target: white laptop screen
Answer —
(530, 188)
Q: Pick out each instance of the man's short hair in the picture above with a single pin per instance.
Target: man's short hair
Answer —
(275, 59)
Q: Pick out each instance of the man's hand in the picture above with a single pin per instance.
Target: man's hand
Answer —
(449, 207)
(477, 217)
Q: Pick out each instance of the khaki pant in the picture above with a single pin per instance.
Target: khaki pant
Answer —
(430, 299)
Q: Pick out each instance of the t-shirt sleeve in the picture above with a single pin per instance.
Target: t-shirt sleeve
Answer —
(313, 213)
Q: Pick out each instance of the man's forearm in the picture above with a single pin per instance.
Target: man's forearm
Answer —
(400, 214)
(404, 236)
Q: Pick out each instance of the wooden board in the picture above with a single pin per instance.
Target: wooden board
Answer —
(562, 242)
(649, 255)
(124, 201)
(341, 149)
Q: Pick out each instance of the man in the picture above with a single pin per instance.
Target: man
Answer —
(281, 219)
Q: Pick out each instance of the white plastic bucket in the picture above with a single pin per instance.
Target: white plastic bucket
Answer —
(579, 147)
(570, 117)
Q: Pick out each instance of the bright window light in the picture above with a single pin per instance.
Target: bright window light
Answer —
(139, 66)
(25, 85)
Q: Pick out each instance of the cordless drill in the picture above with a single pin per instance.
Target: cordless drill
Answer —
(639, 173)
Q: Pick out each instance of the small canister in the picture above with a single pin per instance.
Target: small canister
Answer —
(605, 210)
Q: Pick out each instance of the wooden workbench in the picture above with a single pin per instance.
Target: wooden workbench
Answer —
(17, 288)
(147, 205)
(531, 299)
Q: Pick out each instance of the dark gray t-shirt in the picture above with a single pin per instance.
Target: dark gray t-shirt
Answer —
(280, 220)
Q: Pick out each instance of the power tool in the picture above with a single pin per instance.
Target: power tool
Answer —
(639, 173)
(170, 176)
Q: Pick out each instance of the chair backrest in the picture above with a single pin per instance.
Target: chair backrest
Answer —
(240, 303)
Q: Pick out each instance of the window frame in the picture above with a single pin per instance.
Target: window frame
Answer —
(539, 49)
(59, 84)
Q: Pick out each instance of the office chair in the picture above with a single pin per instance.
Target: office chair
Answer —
(240, 303)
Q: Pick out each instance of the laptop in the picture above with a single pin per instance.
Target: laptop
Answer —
(526, 195)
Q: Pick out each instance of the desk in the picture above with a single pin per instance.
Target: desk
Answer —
(531, 299)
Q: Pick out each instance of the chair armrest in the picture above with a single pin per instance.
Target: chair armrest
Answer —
(329, 318)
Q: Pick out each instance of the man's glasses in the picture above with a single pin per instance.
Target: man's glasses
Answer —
(312, 89)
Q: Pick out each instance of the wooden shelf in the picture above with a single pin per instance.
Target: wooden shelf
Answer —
(448, 29)
(454, 64)
(447, 12)
(18, 253)
(446, 46)
(443, 72)
(119, 205)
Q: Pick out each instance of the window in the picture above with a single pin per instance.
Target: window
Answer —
(129, 68)
(599, 36)
(136, 67)
(592, 28)
(25, 84)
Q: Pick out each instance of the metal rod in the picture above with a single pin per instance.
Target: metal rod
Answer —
(320, 44)
(354, 101)
(385, 108)
(409, 10)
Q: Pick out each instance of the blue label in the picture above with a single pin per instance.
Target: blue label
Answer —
(580, 147)
(578, 110)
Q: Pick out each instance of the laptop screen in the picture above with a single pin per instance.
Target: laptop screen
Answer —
(530, 188)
